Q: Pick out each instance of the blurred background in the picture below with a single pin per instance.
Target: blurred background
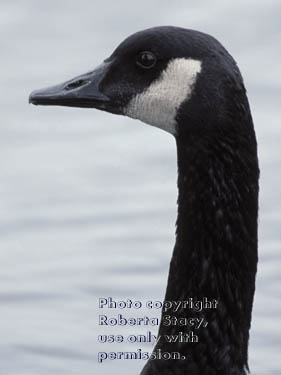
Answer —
(88, 199)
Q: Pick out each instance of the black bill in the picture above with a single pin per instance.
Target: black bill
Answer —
(82, 91)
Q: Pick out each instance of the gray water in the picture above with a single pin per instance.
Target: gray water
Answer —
(88, 199)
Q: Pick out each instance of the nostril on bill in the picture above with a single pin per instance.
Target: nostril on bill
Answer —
(76, 84)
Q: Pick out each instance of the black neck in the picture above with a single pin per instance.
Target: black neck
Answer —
(215, 254)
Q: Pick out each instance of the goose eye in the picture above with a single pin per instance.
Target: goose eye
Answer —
(146, 60)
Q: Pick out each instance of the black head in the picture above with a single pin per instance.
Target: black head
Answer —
(164, 76)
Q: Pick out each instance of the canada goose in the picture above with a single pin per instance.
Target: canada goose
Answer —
(185, 82)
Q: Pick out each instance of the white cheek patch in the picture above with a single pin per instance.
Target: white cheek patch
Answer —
(159, 103)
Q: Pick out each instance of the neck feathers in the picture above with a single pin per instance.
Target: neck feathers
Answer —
(215, 254)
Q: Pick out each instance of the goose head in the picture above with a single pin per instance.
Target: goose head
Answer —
(167, 77)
